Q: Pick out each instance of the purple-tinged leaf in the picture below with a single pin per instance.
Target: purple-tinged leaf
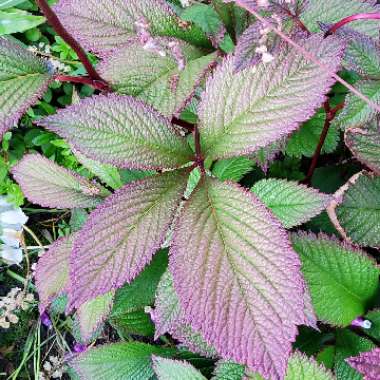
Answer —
(52, 272)
(235, 271)
(367, 363)
(49, 185)
(263, 157)
(23, 79)
(121, 131)
(165, 77)
(239, 113)
(168, 369)
(102, 26)
(121, 235)
(364, 144)
(92, 314)
(169, 318)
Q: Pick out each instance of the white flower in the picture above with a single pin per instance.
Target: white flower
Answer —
(11, 237)
(11, 255)
(13, 217)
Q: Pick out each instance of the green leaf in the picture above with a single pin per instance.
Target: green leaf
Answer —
(17, 21)
(355, 210)
(349, 344)
(292, 203)
(228, 370)
(4, 4)
(167, 369)
(163, 77)
(356, 112)
(342, 280)
(23, 79)
(332, 11)
(242, 112)
(364, 144)
(304, 141)
(203, 16)
(128, 315)
(374, 317)
(301, 367)
(326, 357)
(233, 169)
(117, 361)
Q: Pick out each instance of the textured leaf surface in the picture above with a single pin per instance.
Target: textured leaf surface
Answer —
(117, 361)
(17, 21)
(349, 344)
(159, 77)
(364, 144)
(367, 363)
(234, 270)
(355, 210)
(333, 11)
(91, 315)
(52, 272)
(342, 280)
(374, 317)
(291, 202)
(304, 141)
(301, 367)
(242, 112)
(108, 24)
(122, 131)
(168, 369)
(233, 169)
(45, 183)
(169, 318)
(227, 370)
(109, 250)
(23, 79)
(356, 112)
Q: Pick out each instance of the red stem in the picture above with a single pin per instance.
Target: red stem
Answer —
(69, 39)
(183, 124)
(198, 151)
(98, 85)
(349, 19)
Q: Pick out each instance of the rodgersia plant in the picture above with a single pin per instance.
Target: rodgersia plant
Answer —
(178, 101)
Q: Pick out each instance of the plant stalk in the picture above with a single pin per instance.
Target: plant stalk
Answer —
(349, 19)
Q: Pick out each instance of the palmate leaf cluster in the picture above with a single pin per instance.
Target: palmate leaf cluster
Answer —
(214, 261)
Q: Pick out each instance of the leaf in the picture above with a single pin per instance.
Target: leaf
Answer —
(265, 156)
(227, 370)
(367, 363)
(92, 314)
(121, 131)
(355, 210)
(356, 112)
(305, 141)
(52, 272)
(23, 78)
(17, 21)
(164, 77)
(364, 144)
(169, 318)
(108, 174)
(168, 369)
(332, 11)
(301, 367)
(45, 183)
(117, 361)
(349, 344)
(109, 250)
(128, 314)
(224, 240)
(239, 113)
(374, 317)
(292, 203)
(342, 279)
(4, 4)
(104, 26)
(233, 169)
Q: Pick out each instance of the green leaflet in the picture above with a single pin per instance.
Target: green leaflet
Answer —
(342, 280)
(4, 4)
(374, 317)
(304, 141)
(291, 202)
(356, 112)
(303, 368)
(355, 210)
(228, 370)
(349, 344)
(233, 169)
(17, 21)
(117, 361)
(167, 369)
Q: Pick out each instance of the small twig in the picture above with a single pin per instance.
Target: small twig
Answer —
(184, 124)
(198, 151)
(330, 114)
(33, 235)
(98, 85)
(69, 39)
(349, 19)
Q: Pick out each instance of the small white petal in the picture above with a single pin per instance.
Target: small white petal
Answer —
(13, 217)
(11, 237)
(11, 255)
